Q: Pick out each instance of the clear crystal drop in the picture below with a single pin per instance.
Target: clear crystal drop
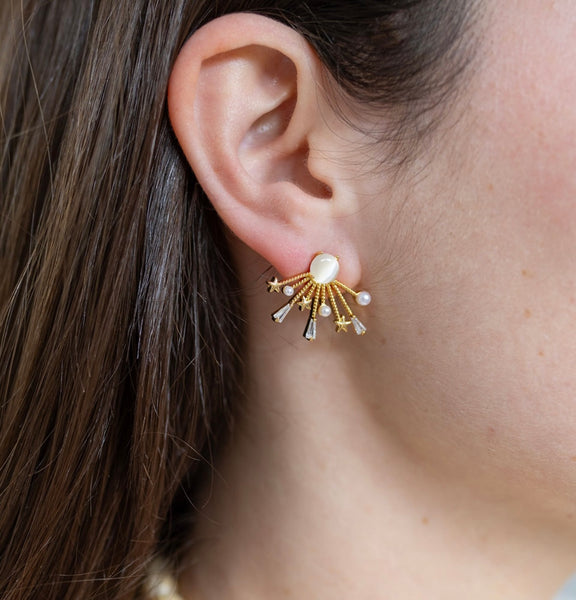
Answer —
(310, 333)
(281, 313)
(358, 327)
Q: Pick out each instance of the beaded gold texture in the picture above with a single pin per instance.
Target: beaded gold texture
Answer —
(322, 294)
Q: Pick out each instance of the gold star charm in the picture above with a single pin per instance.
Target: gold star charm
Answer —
(305, 303)
(274, 285)
(342, 324)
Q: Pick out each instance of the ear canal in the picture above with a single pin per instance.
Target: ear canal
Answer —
(270, 126)
(263, 139)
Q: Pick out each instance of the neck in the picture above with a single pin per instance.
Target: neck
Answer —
(318, 495)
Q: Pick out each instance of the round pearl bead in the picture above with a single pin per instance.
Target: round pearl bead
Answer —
(324, 310)
(324, 268)
(363, 298)
(288, 290)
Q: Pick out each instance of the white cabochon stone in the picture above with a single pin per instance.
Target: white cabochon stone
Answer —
(324, 268)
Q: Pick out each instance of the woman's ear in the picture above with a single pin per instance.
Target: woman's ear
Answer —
(246, 105)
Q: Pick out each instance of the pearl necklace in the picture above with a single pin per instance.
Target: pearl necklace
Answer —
(160, 585)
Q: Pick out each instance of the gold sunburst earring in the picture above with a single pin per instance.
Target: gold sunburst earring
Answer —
(322, 294)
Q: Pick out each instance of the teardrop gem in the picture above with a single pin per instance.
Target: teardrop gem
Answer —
(310, 333)
(281, 313)
(358, 326)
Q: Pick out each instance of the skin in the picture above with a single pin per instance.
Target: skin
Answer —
(434, 457)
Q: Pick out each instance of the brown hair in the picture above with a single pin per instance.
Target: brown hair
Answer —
(120, 349)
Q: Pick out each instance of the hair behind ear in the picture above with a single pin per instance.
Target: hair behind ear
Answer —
(119, 347)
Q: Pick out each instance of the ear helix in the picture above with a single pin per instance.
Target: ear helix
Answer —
(322, 294)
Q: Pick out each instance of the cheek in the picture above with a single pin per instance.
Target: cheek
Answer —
(526, 104)
(486, 339)
(534, 168)
(522, 128)
(500, 360)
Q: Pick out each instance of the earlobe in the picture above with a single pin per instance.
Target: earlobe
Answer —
(244, 105)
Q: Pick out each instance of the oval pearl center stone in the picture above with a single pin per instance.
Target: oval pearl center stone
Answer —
(324, 268)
